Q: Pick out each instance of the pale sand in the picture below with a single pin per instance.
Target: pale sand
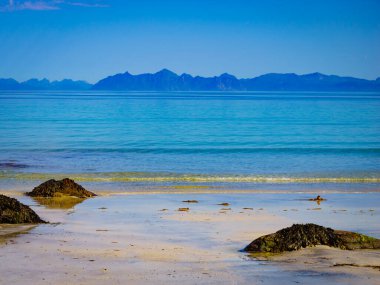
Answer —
(323, 259)
(126, 239)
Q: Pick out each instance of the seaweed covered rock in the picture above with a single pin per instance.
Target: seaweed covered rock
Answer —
(353, 240)
(14, 212)
(300, 236)
(54, 188)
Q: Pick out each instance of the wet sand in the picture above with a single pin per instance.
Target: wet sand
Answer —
(144, 239)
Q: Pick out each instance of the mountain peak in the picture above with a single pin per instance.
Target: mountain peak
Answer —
(185, 75)
(36, 80)
(317, 75)
(166, 71)
(227, 75)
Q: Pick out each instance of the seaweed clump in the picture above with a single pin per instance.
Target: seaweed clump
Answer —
(301, 236)
(57, 188)
(14, 212)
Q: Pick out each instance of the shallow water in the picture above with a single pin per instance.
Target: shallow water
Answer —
(242, 140)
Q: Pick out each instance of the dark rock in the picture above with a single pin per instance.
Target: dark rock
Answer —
(183, 209)
(190, 201)
(300, 236)
(317, 199)
(54, 188)
(352, 240)
(14, 212)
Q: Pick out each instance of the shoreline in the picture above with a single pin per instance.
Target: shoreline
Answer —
(129, 239)
(203, 189)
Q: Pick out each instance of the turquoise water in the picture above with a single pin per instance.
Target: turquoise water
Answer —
(233, 140)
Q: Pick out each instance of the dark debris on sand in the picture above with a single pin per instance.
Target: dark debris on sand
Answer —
(317, 199)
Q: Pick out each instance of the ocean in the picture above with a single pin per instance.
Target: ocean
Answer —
(227, 141)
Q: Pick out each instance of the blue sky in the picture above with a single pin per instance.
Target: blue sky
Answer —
(92, 39)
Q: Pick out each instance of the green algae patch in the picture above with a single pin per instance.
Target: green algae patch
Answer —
(352, 240)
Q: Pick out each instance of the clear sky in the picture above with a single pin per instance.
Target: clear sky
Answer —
(92, 39)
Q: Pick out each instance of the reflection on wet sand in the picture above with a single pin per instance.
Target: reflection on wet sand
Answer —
(61, 202)
(8, 231)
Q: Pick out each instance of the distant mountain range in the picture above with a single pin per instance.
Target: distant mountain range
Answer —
(166, 80)
(44, 84)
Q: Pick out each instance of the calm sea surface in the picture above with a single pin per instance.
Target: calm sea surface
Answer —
(230, 140)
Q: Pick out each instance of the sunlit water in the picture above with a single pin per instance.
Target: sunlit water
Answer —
(243, 140)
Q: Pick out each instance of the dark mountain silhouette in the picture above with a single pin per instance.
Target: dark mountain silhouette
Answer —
(9, 84)
(166, 80)
(309, 82)
(44, 84)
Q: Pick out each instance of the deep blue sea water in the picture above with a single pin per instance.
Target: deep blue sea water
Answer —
(250, 139)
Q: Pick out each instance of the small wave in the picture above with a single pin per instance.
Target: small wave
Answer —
(164, 177)
(216, 150)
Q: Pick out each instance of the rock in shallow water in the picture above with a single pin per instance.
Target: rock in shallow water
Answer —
(14, 212)
(300, 236)
(54, 188)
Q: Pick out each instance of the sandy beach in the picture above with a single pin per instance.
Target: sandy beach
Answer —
(189, 142)
(144, 239)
